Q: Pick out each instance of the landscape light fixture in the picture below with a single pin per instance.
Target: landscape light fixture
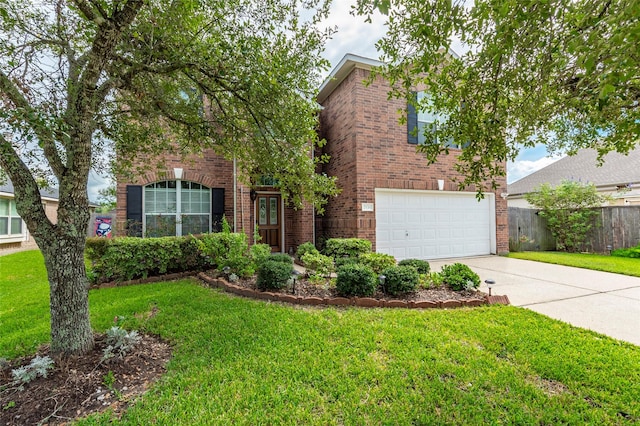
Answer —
(226, 270)
(490, 284)
(382, 279)
(294, 276)
(609, 248)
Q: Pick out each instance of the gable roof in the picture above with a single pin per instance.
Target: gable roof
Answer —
(344, 68)
(49, 194)
(617, 169)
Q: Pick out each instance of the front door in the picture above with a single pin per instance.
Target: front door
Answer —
(269, 218)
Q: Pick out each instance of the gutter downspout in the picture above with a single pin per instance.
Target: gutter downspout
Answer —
(313, 207)
(235, 196)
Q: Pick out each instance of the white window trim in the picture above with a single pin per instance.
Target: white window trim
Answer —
(178, 212)
(14, 238)
(438, 118)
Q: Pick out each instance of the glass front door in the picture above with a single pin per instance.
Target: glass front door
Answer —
(268, 219)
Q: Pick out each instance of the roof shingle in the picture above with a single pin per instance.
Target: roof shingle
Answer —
(617, 169)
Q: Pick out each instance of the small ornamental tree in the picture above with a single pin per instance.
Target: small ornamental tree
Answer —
(568, 209)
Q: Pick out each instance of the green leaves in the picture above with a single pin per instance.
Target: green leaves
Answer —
(567, 208)
(558, 72)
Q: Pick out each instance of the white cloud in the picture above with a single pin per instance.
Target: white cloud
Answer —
(95, 183)
(520, 168)
(354, 35)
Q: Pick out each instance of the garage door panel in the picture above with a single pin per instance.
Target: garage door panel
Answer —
(429, 234)
(444, 233)
(432, 224)
(413, 218)
(383, 217)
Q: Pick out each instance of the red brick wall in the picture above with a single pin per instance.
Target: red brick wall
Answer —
(369, 149)
(214, 171)
(210, 170)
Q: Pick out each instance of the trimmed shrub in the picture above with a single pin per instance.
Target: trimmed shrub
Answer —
(341, 261)
(281, 257)
(305, 248)
(632, 252)
(422, 266)
(190, 259)
(377, 261)
(430, 280)
(318, 264)
(273, 275)
(227, 249)
(400, 280)
(356, 280)
(130, 258)
(350, 247)
(259, 253)
(96, 248)
(459, 277)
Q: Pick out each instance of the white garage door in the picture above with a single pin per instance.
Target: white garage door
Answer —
(434, 224)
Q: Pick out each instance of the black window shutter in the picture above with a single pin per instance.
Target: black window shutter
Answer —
(217, 209)
(134, 210)
(412, 121)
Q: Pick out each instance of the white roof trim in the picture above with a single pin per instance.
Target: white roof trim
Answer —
(345, 66)
(12, 195)
(342, 70)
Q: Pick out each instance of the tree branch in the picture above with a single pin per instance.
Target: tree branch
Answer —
(45, 135)
(88, 11)
(27, 193)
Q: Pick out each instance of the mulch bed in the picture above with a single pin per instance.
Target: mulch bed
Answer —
(306, 288)
(76, 387)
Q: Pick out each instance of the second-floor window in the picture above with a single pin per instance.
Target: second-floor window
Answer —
(423, 124)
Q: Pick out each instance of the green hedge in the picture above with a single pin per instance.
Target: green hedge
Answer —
(305, 248)
(318, 264)
(460, 277)
(128, 258)
(422, 266)
(274, 275)
(356, 280)
(230, 249)
(377, 261)
(632, 252)
(346, 247)
(400, 280)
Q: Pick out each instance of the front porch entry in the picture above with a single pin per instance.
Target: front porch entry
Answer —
(270, 220)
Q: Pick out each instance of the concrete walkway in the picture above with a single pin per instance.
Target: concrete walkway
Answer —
(600, 301)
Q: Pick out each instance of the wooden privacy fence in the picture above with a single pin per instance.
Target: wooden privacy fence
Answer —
(528, 231)
(617, 226)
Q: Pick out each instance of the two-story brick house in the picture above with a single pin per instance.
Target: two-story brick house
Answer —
(389, 194)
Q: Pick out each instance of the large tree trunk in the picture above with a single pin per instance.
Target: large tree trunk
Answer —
(62, 245)
(71, 332)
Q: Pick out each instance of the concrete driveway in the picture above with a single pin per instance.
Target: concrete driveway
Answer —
(600, 301)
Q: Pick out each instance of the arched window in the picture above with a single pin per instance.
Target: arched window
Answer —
(176, 207)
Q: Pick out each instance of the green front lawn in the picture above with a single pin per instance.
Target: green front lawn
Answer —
(239, 361)
(597, 262)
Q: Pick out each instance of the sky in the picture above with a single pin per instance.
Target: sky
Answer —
(357, 37)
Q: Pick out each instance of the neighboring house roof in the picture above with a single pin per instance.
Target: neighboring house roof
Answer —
(49, 194)
(617, 169)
